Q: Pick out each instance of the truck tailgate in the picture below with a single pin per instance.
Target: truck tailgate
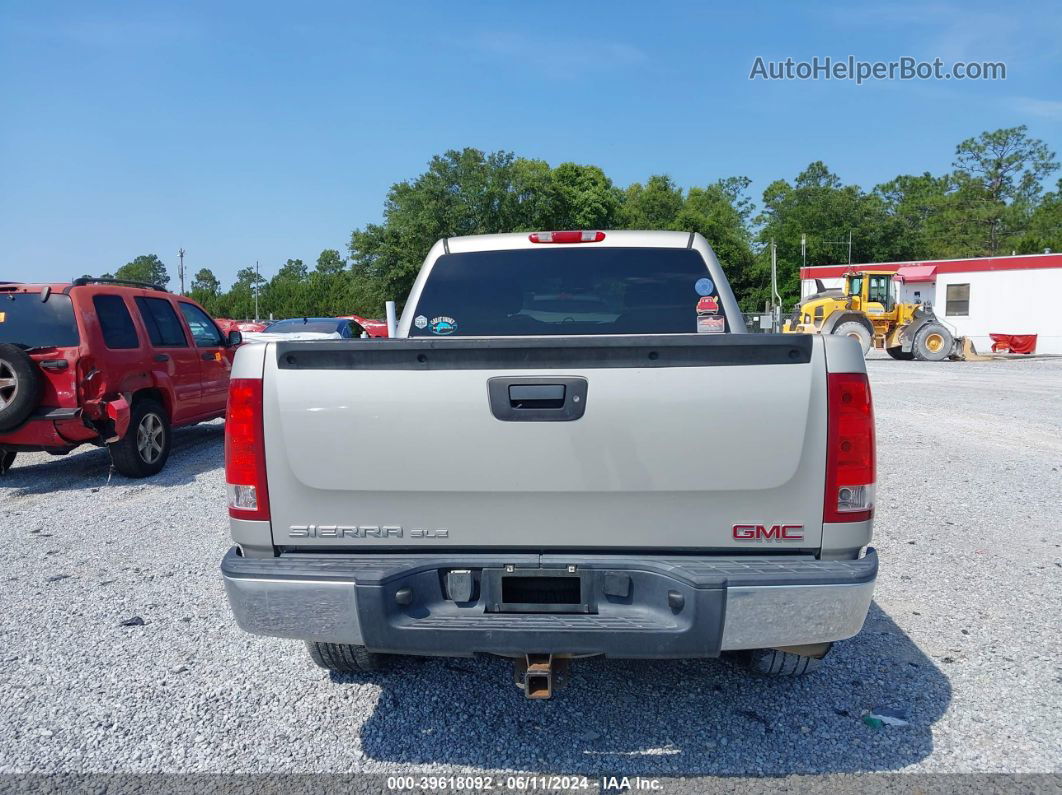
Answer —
(399, 443)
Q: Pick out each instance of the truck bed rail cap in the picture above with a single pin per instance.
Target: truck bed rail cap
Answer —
(523, 353)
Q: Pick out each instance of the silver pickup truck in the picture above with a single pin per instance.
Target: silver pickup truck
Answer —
(572, 448)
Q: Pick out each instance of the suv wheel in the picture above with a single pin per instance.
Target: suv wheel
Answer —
(6, 460)
(344, 658)
(146, 445)
(20, 386)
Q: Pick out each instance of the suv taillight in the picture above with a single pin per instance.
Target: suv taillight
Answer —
(849, 449)
(245, 472)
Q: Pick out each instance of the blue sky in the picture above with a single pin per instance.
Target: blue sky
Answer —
(246, 131)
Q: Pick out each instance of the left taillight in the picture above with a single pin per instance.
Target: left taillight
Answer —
(245, 471)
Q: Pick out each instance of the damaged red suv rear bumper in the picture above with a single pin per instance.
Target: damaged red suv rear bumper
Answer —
(51, 429)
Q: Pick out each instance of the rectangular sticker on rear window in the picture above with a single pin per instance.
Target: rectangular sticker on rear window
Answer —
(711, 324)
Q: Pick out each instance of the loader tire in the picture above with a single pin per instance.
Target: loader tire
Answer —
(344, 658)
(900, 353)
(856, 331)
(933, 343)
(772, 662)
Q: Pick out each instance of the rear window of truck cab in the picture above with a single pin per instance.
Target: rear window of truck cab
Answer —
(29, 322)
(562, 290)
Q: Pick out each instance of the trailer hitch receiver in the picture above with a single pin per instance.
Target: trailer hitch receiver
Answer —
(539, 674)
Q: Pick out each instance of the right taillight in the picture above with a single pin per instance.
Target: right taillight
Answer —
(850, 471)
(245, 472)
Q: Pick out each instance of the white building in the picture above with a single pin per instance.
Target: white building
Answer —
(974, 297)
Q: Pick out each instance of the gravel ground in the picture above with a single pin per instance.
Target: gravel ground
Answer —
(963, 636)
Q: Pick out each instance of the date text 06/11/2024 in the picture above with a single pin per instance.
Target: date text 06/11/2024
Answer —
(523, 783)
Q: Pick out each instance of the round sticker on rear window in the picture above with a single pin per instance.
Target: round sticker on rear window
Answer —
(443, 325)
(704, 287)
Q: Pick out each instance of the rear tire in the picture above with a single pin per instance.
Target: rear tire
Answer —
(772, 662)
(856, 331)
(6, 460)
(20, 386)
(344, 658)
(900, 353)
(933, 343)
(143, 450)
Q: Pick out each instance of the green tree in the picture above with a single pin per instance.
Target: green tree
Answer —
(655, 205)
(330, 261)
(238, 302)
(145, 268)
(205, 281)
(206, 290)
(463, 192)
(1044, 228)
(580, 197)
(998, 178)
(820, 207)
(920, 212)
(469, 192)
(287, 294)
(292, 270)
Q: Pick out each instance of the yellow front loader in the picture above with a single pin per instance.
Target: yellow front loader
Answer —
(866, 309)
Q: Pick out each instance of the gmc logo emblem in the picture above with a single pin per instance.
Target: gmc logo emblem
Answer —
(776, 532)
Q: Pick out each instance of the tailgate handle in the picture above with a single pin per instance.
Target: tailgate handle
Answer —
(536, 396)
(537, 399)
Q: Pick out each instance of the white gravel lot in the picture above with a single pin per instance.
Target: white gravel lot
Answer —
(964, 634)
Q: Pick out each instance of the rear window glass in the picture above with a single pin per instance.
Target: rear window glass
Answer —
(562, 290)
(115, 322)
(28, 322)
(300, 325)
(161, 322)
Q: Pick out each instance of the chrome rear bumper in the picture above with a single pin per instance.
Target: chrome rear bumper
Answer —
(631, 606)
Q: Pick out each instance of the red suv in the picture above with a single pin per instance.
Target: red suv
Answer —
(106, 362)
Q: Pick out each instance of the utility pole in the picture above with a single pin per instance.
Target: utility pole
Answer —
(256, 280)
(803, 251)
(180, 268)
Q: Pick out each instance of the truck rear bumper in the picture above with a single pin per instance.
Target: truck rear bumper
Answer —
(631, 606)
